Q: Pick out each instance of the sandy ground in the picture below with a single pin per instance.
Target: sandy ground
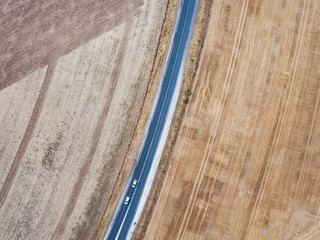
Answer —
(73, 76)
(246, 161)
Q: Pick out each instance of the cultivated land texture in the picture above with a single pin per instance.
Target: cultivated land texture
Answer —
(72, 79)
(246, 162)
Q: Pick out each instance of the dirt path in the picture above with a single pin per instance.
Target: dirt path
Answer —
(96, 135)
(28, 133)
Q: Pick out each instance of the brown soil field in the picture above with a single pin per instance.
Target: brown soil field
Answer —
(72, 80)
(246, 161)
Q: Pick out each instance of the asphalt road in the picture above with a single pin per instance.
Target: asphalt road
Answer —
(126, 212)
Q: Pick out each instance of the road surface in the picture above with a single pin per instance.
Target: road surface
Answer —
(126, 212)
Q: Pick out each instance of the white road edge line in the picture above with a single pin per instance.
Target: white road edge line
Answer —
(147, 129)
(162, 141)
(154, 105)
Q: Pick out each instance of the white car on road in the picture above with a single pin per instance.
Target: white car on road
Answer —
(127, 200)
(134, 183)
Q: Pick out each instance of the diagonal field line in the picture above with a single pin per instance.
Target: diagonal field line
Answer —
(28, 133)
(96, 135)
(158, 120)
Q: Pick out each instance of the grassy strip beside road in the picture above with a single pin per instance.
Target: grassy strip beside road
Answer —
(191, 66)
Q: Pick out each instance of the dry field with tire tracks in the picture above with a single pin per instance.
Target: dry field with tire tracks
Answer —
(72, 79)
(246, 162)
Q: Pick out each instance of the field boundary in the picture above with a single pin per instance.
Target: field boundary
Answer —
(136, 138)
(191, 66)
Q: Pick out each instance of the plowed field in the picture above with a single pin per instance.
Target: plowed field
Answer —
(246, 163)
(72, 79)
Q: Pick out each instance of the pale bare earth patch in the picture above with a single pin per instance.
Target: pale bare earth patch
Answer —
(17, 103)
(246, 161)
(68, 116)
